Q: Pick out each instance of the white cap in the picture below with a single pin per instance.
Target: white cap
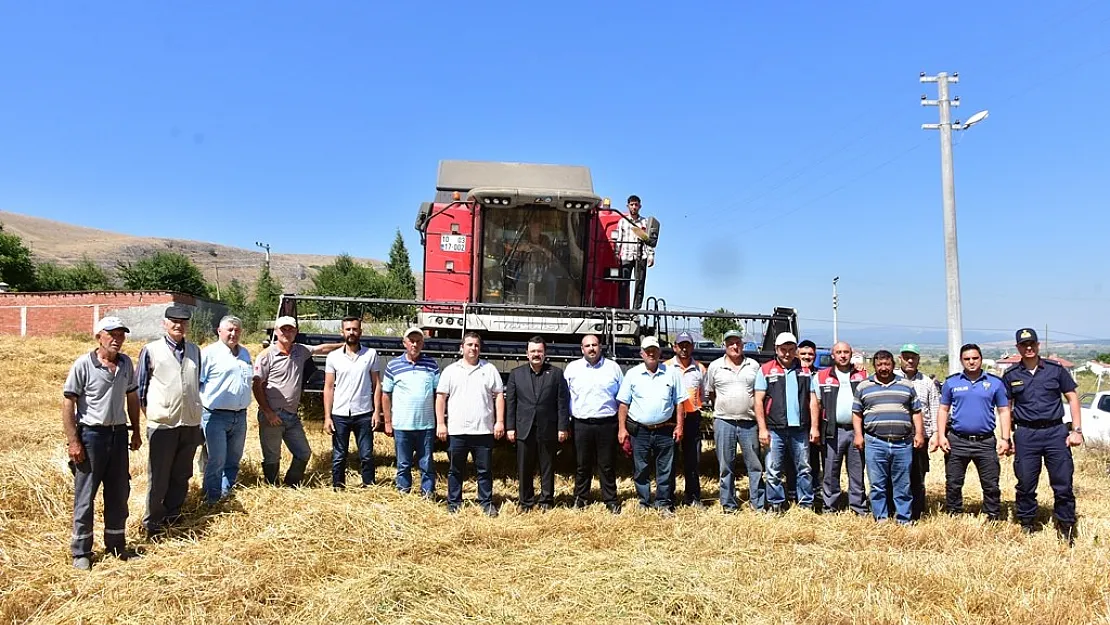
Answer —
(285, 321)
(784, 338)
(108, 324)
(414, 330)
(649, 341)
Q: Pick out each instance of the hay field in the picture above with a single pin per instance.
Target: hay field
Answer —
(315, 556)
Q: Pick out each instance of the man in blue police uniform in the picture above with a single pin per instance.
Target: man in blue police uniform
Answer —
(1034, 386)
(965, 431)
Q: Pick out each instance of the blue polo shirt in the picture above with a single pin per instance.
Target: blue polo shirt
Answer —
(651, 397)
(412, 390)
(973, 402)
(1035, 395)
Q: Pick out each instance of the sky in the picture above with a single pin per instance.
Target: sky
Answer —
(779, 144)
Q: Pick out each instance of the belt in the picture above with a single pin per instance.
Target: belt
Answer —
(975, 438)
(123, 427)
(657, 426)
(892, 439)
(606, 418)
(845, 426)
(1039, 425)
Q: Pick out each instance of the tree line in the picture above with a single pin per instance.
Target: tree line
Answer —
(173, 271)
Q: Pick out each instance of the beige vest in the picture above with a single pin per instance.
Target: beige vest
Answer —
(173, 395)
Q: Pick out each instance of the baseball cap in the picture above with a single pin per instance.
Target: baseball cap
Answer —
(734, 334)
(1025, 335)
(178, 313)
(108, 324)
(285, 321)
(414, 330)
(649, 341)
(683, 337)
(785, 337)
(911, 348)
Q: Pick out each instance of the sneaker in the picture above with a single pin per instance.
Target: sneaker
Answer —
(83, 563)
(667, 513)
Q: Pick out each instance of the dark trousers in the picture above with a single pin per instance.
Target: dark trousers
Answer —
(459, 446)
(170, 465)
(838, 453)
(362, 427)
(1049, 445)
(105, 464)
(919, 468)
(690, 455)
(985, 456)
(648, 445)
(595, 446)
(529, 451)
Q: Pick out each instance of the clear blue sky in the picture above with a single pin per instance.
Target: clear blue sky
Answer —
(778, 145)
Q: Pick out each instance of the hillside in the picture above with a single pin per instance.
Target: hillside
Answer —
(66, 244)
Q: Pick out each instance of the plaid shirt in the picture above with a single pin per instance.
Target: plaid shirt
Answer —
(629, 246)
(929, 396)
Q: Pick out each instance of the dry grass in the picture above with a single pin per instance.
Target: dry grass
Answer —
(315, 556)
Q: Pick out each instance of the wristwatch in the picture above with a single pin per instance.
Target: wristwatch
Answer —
(1007, 441)
(1078, 431)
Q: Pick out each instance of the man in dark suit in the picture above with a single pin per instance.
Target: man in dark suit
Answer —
(537, 419)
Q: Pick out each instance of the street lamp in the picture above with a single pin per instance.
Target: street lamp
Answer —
(836, 303)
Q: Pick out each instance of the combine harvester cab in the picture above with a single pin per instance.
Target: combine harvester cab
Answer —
(512, 250)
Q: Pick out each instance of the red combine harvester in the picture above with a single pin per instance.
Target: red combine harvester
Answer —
(512, 250)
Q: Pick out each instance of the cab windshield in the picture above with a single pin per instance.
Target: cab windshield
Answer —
(532, 254)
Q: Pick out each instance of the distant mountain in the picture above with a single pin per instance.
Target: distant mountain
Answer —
(66, 244)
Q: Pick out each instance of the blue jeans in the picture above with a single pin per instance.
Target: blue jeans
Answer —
(459, 446)
(418, 443)
(888, 469)
(660, 444)
(225, 434)
(726, 435)
(792, 441)
(361, 425)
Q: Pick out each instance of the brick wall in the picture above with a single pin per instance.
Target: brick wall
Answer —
(46, 314)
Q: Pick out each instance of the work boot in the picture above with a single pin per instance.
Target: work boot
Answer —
(295, 473)
(270, 473)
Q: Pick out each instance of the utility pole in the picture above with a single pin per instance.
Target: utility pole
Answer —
(836, 303)
(216, 266)
(948, 183)
(265, 246)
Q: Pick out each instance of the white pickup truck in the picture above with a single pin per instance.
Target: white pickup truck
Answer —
(1095, 408)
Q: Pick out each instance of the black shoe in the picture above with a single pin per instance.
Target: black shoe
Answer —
(730, 510)
(1028, 528)
(581, 503)
(993, 517)
(1066, 531)
(490, 510)
(452, 509)
(545, 507)
(696, 504)
(614, 508)
(525, 508)
(775, 509)
(122, 553)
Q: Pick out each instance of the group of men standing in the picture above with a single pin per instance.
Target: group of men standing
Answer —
(783, 414)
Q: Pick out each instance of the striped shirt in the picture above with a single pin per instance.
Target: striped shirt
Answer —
(411, 387)
(887, 409)
(929, 395)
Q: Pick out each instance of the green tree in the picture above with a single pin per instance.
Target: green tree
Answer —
(1103, 358)
(714, 328)
(16, 266)
(399, 268)
(84, 276)
(264, 305)
(163, 271)
(347, 278)
(235, 296)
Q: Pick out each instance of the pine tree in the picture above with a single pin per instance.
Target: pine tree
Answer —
(399, 267)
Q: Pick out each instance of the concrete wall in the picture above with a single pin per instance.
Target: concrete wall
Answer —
(48, 314)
